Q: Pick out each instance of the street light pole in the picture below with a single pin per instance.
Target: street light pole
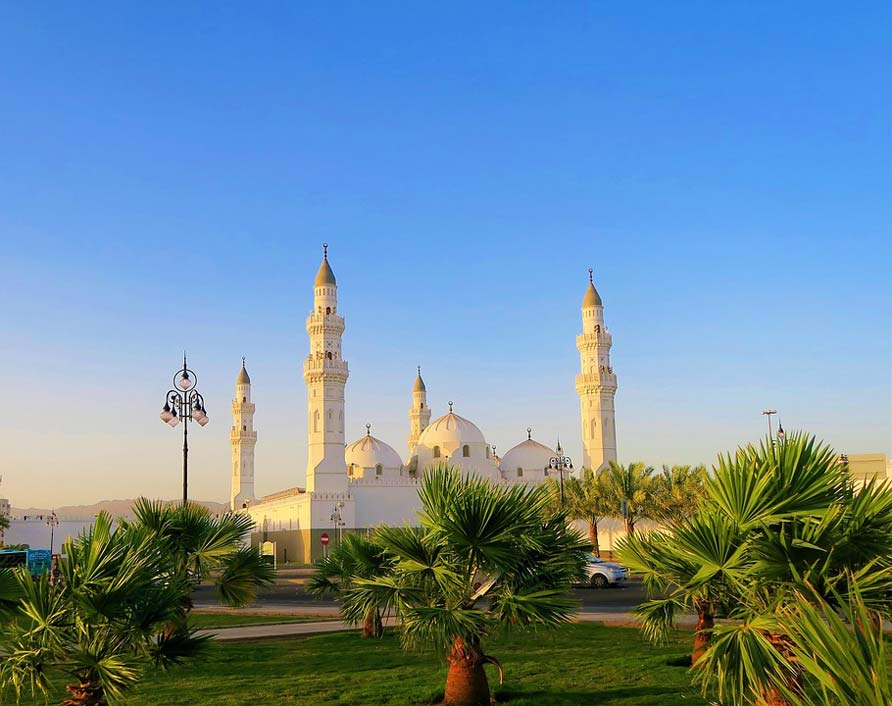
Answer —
(52, 522)
(184, 403)
(768, 413)
(558, 463)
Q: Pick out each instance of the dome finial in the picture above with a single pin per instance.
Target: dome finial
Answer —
(243, 361)
(590, 276)
(368, 429)
(450, 406)
(529, 432)
(325, 252)
(419, 370)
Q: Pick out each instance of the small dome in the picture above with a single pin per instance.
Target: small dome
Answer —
(451, 430)
(369, 452)
(529, 454)
(592, 298)
(243, 378)
(419, 383)
(325, 275)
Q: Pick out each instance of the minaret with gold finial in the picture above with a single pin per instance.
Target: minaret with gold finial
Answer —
(243, 438)
(420, 414)
(325, 373)
(596, 383)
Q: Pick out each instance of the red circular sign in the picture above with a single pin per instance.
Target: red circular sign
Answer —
(324, 538)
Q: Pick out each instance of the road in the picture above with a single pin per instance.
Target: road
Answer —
(289, 596)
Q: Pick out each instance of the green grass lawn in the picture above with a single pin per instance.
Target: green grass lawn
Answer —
(579, 664)
(231, 620)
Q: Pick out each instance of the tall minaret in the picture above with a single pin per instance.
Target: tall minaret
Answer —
(420, 414)
(243, 438)
(325, 372)
(596, 384)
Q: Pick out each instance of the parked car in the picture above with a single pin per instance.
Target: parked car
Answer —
(602, 573)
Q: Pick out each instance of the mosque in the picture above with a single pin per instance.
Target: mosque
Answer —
(366, 483)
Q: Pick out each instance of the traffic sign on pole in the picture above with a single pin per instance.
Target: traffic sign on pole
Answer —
(324, 539)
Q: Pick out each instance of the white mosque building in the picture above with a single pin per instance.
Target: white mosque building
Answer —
(367, 483)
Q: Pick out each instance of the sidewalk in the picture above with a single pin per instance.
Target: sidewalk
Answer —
(257, 632)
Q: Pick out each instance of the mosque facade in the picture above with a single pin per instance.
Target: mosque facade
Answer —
(359, 485)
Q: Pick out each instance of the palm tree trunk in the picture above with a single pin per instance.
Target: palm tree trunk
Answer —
(372, 625)
(466, 683)
(703, 632)
(630, 527)
(87, 694)
(593, 537)
(771, 696)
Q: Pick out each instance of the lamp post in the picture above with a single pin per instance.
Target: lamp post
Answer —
(337, 519)
(559, 463)
(183, 403)
(52, 522)
(768, 413)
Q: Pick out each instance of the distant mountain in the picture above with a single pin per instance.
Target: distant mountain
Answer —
(115, 508)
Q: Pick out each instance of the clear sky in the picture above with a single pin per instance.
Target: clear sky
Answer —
(168, 174)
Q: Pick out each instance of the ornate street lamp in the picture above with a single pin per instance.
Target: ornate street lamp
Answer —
(183, 403)
(337, 519)
(52, 522)
(559, 463)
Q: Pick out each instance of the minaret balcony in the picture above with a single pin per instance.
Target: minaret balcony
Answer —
(601, 339)
(325, 323)
(236, 434)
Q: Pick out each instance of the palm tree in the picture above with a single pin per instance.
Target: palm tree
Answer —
(629, 490)
(691, 569)
(678, 492)
(841, 650)
(198, 545)
(585, 499)
(4, 525)
(487, 558)
(778, 518)
(356, 557)
(101, 625)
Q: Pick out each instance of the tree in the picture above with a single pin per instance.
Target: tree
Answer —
(102, 625)
(356, 557)
(585, 499)
(197, 545)
(487, 558)
(4, 525)
(678, 492)
(689, 569)
(781, 521)
(629, 490)
(840, 648)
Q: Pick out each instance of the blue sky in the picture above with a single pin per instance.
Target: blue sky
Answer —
(168, 173)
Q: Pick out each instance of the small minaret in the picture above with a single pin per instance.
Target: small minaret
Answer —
(420, 414)
(325, 373)
(243, 439)
(596, 383)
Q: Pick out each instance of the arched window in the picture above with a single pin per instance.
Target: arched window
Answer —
(328, 355)
(244, 399)
(466, 451)
(341, 421)
(244, 427)
(520, 473)
(350, 470)
(328, 310)
(316, 420)
(379, 470)
(594, 428)
(436, 452)
(422, 406)
(329, 415)
(487, 451)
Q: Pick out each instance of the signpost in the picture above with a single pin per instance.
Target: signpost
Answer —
(268, 552)
(324, 539)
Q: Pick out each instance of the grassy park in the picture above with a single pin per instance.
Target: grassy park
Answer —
(574, 665)
(209, 621)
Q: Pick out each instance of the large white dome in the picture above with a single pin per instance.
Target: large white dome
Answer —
(452, 431)
(529, 455)
(369, 452)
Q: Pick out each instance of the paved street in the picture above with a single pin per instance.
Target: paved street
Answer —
(288, 596)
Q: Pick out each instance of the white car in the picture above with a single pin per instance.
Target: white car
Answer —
(604, 573)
